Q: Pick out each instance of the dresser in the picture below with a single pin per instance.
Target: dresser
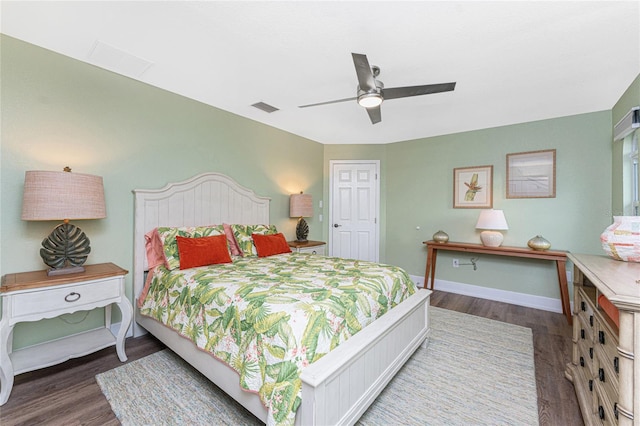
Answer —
(311, 247)
(32, 296)
(603, 369)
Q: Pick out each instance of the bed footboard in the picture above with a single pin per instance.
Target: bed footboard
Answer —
(338, 388)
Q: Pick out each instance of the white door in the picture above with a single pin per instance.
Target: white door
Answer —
(354, 209)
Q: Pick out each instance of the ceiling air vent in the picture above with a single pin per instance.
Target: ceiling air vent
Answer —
(117, 60)
(628, 123)
(265, 107)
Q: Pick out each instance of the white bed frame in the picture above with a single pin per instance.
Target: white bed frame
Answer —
(338, 388)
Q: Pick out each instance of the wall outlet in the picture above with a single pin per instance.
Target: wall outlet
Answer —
(456, 263)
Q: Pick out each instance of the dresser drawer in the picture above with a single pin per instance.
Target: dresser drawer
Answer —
(586, 355)
(607, 342)
(585, 308)
(607, 378)
(56, 299)
(606, 410)
(587, 331)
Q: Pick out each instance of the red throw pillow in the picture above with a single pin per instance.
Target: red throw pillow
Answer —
(269, 245)
(202, 251)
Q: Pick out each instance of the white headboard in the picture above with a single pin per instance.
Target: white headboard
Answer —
(205, 199)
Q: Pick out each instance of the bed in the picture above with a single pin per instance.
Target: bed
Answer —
(335, 389)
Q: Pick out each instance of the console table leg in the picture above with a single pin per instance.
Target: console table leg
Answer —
(564, 291)
(429, 274)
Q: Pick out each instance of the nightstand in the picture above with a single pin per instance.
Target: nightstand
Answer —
(32, 296)
(311, 247)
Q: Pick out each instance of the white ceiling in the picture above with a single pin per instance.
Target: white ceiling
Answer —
(513, 61)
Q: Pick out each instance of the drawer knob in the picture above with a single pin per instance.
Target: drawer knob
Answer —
(615, 410)
(581, 362)
(601, 412)
(314, 252)
(582, 333)
(583, 306)
(591, 353)
(590, 385)
(601, 374)
(72, 297)
(591, 320)
(616, 364)
(601, 337)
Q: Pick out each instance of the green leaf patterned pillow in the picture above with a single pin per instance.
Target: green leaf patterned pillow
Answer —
(243, 236)
(170, 245)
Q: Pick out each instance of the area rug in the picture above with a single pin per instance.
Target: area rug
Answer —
(475, 371)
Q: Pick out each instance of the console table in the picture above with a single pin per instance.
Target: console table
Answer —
(560, 257)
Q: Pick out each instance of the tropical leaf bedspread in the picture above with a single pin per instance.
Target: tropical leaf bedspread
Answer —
(268, 318)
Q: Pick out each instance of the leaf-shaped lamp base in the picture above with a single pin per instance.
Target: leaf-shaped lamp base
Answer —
(302, 230)
(65, 250)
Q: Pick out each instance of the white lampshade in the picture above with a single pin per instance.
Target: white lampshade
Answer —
(300, 205)
(492, 221)
(62, 195)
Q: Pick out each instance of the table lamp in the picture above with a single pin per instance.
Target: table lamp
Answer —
(301, 206)
(492, 221)
(63, 196)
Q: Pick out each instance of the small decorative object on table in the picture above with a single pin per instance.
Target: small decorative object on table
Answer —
(621, 239)
(440, 237)
(539, 243)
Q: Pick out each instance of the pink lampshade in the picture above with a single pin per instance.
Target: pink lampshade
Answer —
(62, 195)
(300, 205)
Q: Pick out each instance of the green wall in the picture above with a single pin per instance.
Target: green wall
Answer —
(57, 111)
(420, 187)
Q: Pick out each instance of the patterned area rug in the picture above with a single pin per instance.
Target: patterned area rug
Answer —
(475, 371)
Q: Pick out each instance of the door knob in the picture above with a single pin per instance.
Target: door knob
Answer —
(335, 225)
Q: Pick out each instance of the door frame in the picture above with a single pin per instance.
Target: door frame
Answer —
(377, 203)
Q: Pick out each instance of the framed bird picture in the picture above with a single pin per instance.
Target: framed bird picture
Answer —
(473, 187)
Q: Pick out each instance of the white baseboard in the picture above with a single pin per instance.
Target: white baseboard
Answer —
(520, 299)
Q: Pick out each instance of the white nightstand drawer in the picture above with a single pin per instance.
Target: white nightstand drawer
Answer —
(56, 299)
(309, 247)
(313, 250)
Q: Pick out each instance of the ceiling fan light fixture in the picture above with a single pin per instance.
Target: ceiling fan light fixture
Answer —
(370, 100)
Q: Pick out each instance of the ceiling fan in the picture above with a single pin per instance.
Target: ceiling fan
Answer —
(371, 91)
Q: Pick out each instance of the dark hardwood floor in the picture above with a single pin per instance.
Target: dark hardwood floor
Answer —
(67, 394)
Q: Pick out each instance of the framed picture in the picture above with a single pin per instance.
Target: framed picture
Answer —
(473, 187)
(531, 174)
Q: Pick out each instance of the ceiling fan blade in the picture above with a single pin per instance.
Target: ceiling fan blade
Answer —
(405, 92)
(375, 114)
(363, 70)
(328, 102)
